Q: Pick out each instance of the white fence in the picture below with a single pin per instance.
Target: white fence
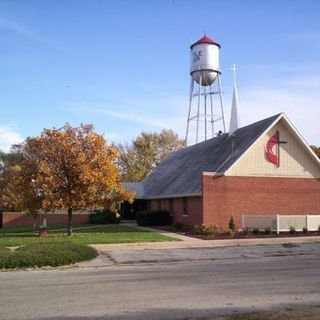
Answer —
(280, 223)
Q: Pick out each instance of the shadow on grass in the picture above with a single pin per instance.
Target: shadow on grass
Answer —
(111, 229)
(62, 233)
(76, 229)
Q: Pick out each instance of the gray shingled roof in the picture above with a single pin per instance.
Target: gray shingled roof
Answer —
(181, 172)
(136, 187)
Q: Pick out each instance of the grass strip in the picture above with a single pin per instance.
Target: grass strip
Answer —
(306, 313)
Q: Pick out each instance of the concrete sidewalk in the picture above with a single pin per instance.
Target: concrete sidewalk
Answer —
(190, 242)
(202, 244)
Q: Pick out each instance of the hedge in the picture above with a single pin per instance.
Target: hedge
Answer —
(104, 217)
(153, 218)
(45, 254)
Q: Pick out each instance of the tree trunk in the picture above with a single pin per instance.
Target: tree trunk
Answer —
(70, 222)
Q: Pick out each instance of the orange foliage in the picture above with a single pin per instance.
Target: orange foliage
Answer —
(67, 168)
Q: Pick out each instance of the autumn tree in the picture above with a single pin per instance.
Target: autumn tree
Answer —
(67, 168)
(10, 158)
(3, 158)
(8, 162)
(137, 160)
(316, 150)
(3, 180)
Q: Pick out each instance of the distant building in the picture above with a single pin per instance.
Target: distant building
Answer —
(263, 168)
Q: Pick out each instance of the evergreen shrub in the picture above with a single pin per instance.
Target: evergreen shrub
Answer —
(104, 217)
(45, 254)
(153, 218)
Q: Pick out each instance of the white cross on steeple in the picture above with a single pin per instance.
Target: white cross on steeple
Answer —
(234, 69)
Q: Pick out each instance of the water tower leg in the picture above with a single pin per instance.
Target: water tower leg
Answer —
(221, 103)
(211, 107)
(198, 109)
(190, 104)
(205, 113)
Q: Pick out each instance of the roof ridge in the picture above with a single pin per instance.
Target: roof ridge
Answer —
(260, 121)
(226, 133)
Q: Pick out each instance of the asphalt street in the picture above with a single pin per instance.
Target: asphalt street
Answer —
(191, 283)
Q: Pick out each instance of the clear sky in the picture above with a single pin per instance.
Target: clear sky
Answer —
(124, 65)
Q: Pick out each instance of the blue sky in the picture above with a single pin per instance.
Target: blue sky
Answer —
(124, 65)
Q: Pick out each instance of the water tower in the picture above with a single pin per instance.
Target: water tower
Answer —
(206, 101)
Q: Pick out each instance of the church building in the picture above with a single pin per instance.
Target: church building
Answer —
(264, 168)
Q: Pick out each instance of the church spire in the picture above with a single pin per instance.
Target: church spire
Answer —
(234, 119)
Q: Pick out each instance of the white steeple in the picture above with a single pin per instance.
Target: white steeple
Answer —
(234, 119)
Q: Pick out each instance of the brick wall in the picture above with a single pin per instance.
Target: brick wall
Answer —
(194, 209)
(18, 219)
(224, 196)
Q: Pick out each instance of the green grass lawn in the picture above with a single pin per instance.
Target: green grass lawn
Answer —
(307, 313)
(95, 235)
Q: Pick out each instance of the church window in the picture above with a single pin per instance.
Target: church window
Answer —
(185, 206)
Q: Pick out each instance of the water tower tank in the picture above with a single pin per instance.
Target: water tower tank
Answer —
(205, 61)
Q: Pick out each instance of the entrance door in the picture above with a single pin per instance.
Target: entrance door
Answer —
(129, 210)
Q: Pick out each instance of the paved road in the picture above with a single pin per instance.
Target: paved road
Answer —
(166, 290)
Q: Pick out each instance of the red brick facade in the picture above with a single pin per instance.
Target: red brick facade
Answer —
(194, 210)
(18, 219)
(226, 196)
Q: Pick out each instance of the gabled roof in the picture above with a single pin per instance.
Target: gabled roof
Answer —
(180, 173)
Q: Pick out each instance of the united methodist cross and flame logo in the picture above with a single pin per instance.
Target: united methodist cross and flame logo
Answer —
(273, 148)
